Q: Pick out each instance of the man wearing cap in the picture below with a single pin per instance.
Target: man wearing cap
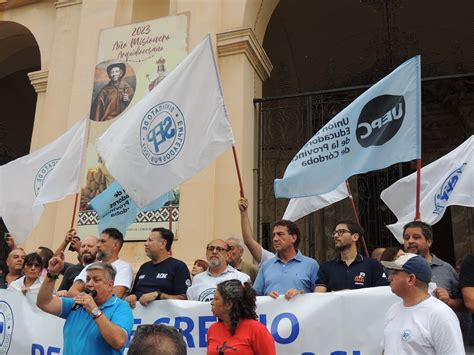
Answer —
(350, 270)
(420, 323)
(114, 97)
(417, 239)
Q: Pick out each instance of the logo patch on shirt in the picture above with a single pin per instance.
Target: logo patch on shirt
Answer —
(141, 277)
(162, 275)
(406, 335)
(360, 279)
(188, 282)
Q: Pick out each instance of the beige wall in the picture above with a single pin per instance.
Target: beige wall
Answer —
(67, 33)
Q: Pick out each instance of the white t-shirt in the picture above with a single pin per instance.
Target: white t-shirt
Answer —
(204, 284)
(19, 283)
(430, 328)
(266, 255)
(124, 276)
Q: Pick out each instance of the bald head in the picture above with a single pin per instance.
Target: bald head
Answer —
(88, 249)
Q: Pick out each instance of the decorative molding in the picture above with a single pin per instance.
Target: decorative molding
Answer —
(64, 3)
(39, 80)
(244, 41)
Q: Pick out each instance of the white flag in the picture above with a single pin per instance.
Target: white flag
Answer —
(172, 133)
(23, 180)
(299, 207)
(445, 182)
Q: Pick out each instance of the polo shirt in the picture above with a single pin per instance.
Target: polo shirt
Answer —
(335, 275)
(445, 276)
(81, 334)
(299, 273)
(205, 284)
(170, 276)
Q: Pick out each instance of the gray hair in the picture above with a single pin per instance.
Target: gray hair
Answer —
(239, 242)
(109, 270)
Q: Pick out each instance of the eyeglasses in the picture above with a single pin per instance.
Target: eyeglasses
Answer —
(34, 265)
(211, 248)
(340, 232)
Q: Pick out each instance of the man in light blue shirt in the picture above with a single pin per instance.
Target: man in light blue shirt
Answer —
(289, 273)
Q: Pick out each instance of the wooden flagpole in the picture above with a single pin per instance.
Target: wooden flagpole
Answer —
(418, 188)
(356, 214)
(238, 172)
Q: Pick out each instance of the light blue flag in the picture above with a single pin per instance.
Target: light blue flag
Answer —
(380, 128)
(116, 209)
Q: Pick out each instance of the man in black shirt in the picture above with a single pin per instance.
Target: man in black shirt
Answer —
(163, 277)
(350, 270)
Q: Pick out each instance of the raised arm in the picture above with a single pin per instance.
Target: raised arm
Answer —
(247, 234)
(45, 300)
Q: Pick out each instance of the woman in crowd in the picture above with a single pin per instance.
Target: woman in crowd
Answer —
(237, 330)
(391, 253)
(198, 267)
(31, 281)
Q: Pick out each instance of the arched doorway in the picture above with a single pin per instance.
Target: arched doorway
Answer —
(326, 54)
(19, 55)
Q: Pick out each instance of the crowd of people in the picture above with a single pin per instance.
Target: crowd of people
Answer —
(96, 295)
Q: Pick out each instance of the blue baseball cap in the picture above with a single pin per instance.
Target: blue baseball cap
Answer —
(411, 264)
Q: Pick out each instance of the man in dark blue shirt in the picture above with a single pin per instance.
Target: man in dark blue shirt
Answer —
(350, 270)
(163, 277)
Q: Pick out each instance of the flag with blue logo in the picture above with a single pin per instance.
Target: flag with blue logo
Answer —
(116, 209)
(174, 132)
(380, 128)
(445, 182)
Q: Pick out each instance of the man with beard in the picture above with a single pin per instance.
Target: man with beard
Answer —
(350, 270)
(417, 239)
(205, 284)
(289, 272)
(164, 277)
(15, 267)
(87, 255)
(108, 248)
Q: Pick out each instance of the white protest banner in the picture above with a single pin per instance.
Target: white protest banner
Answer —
(24, 179)
(174, 132)
(445, 182)
(299, 207)
(336, 323)
(379, 128)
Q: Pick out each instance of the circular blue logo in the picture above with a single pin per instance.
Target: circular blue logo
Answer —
(162, 133)
(6, 327)
(43, 173)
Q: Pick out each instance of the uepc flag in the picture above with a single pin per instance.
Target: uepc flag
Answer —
(116, 209)
(445, 182)
(380, 128)
(299, 207)
(25, 182)
(172, 133)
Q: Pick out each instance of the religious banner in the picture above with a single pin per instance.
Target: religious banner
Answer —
(131, 61)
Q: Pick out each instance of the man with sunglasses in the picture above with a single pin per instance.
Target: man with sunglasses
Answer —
(163, 277)
(420, 323)
(350, 270)
(205, 284)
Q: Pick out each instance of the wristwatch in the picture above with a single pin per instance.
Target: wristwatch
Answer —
(96, 313)
(52, 276)
(158, 296)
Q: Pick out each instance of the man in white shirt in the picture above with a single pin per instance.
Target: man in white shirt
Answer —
(108, 249)
(204, 284)
(419, 324)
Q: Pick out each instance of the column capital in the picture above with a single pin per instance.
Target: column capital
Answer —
(63, 3)
(39, 80)
(244, 41)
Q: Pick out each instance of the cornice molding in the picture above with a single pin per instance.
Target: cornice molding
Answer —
(244, 41)
(65, 3)
(39, 80)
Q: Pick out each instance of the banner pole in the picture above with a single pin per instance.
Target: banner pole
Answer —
(170, 218)
(418, 188)
(238, 171)
(356, 214)
(74, 212)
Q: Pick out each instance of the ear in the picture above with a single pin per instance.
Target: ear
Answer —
(429, 242)
(228, 306)
(355, 237)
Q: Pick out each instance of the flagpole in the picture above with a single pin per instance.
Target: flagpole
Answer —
(418, 188)
(238, 171)
(356, 214)
(74, 212)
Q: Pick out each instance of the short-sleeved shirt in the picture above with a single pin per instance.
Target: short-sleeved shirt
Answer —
(171, 276)
(363, 272)
(299, 273)
(124, 276)
(69, 275)
(81, 334)
(445, 276)
(249, 269)
(466, 278)
(205, 284)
